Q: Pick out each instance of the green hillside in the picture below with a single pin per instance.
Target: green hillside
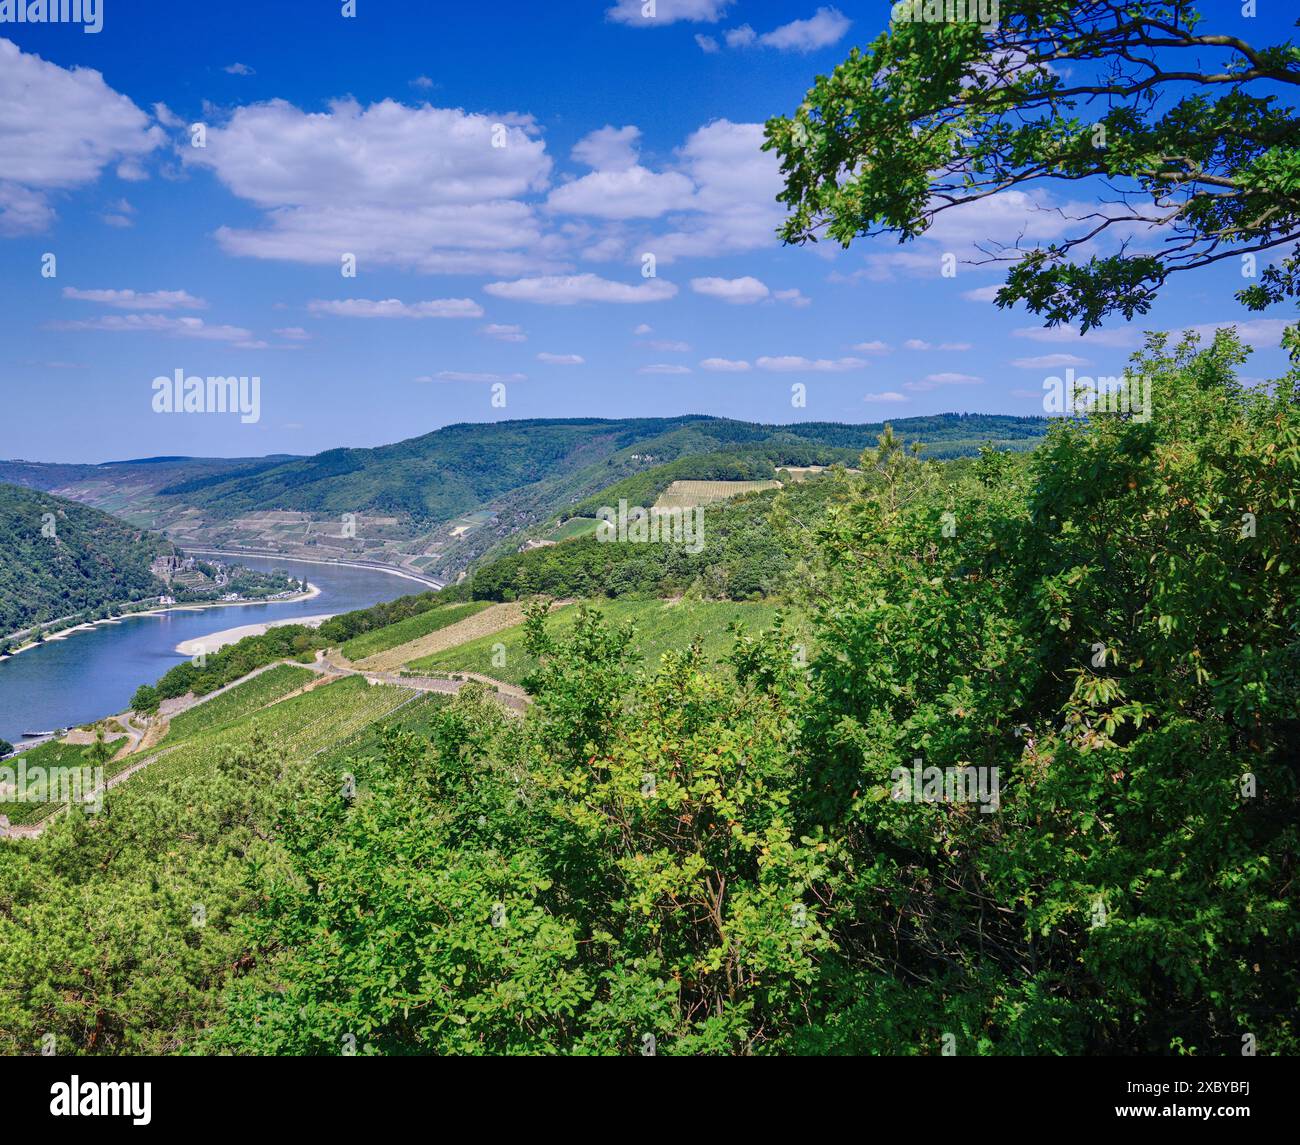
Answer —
(661, 626)
(502, 481)
(549, 463)
(316, 721)
(62, 559)
(756, 545)
(716, 449)
(233, 706)
(430, 478)
(418, 717)
(128, 489)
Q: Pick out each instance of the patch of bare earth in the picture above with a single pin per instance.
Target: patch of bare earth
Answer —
(490, 620)
(156, 730)
(81, 737)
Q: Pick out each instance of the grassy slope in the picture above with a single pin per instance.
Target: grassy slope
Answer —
(50, 754)
(412, 628)
(349, 716)
(415, 718)
(573, 527)
(484, 623)
(234, 705)
(302, 726)
(661, 626)
(206, 719)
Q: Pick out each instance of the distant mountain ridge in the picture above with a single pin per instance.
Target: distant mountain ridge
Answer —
(53, 475)
(459, 467)
(437, 503)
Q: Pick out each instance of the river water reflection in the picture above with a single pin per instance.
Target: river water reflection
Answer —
(94, 674)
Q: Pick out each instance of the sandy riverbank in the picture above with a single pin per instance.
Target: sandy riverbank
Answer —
(312, 592)
(217, 640)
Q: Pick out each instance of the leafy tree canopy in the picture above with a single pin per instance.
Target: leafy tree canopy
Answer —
(1181, 124)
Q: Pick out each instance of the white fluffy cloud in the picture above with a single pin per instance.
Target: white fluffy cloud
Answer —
(887, 396)
(571, 289)
(792, 297)
(618, 186)
(738, 291)
(159, 324)
(1257, 332)
(119, 214)
(921, 344)
(725, 365)
(168, 118)
(1049, 361)
(608, 148)
(23, 211)
(423, 188)
(396, 308)
(664, 368)
(1119, 337)
(503, 332)
(470, 376)
(634, 13)
(561, 359)
(734, 208)
(136, 300)
(59, 129)
(825, 27)
(716, 196)
(791, 363)
(628, 193)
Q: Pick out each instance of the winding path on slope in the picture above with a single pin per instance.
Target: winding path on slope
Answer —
(327, 672)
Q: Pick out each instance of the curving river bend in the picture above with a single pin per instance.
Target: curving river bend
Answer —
(93, 674)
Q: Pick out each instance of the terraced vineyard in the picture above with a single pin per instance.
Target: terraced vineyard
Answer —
(481, 624)
(299, 727)
(417, 717)
(573, 527)
(412, 628)
(687, 494)
(661, 625)
(238, 702)
(48, 755)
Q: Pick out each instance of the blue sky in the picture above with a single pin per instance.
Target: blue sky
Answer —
(520, 264)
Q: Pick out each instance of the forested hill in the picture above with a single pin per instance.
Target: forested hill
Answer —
(61, 558)
(143, 473)
(460, 467)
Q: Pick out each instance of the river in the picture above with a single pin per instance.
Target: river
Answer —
(93, 674)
